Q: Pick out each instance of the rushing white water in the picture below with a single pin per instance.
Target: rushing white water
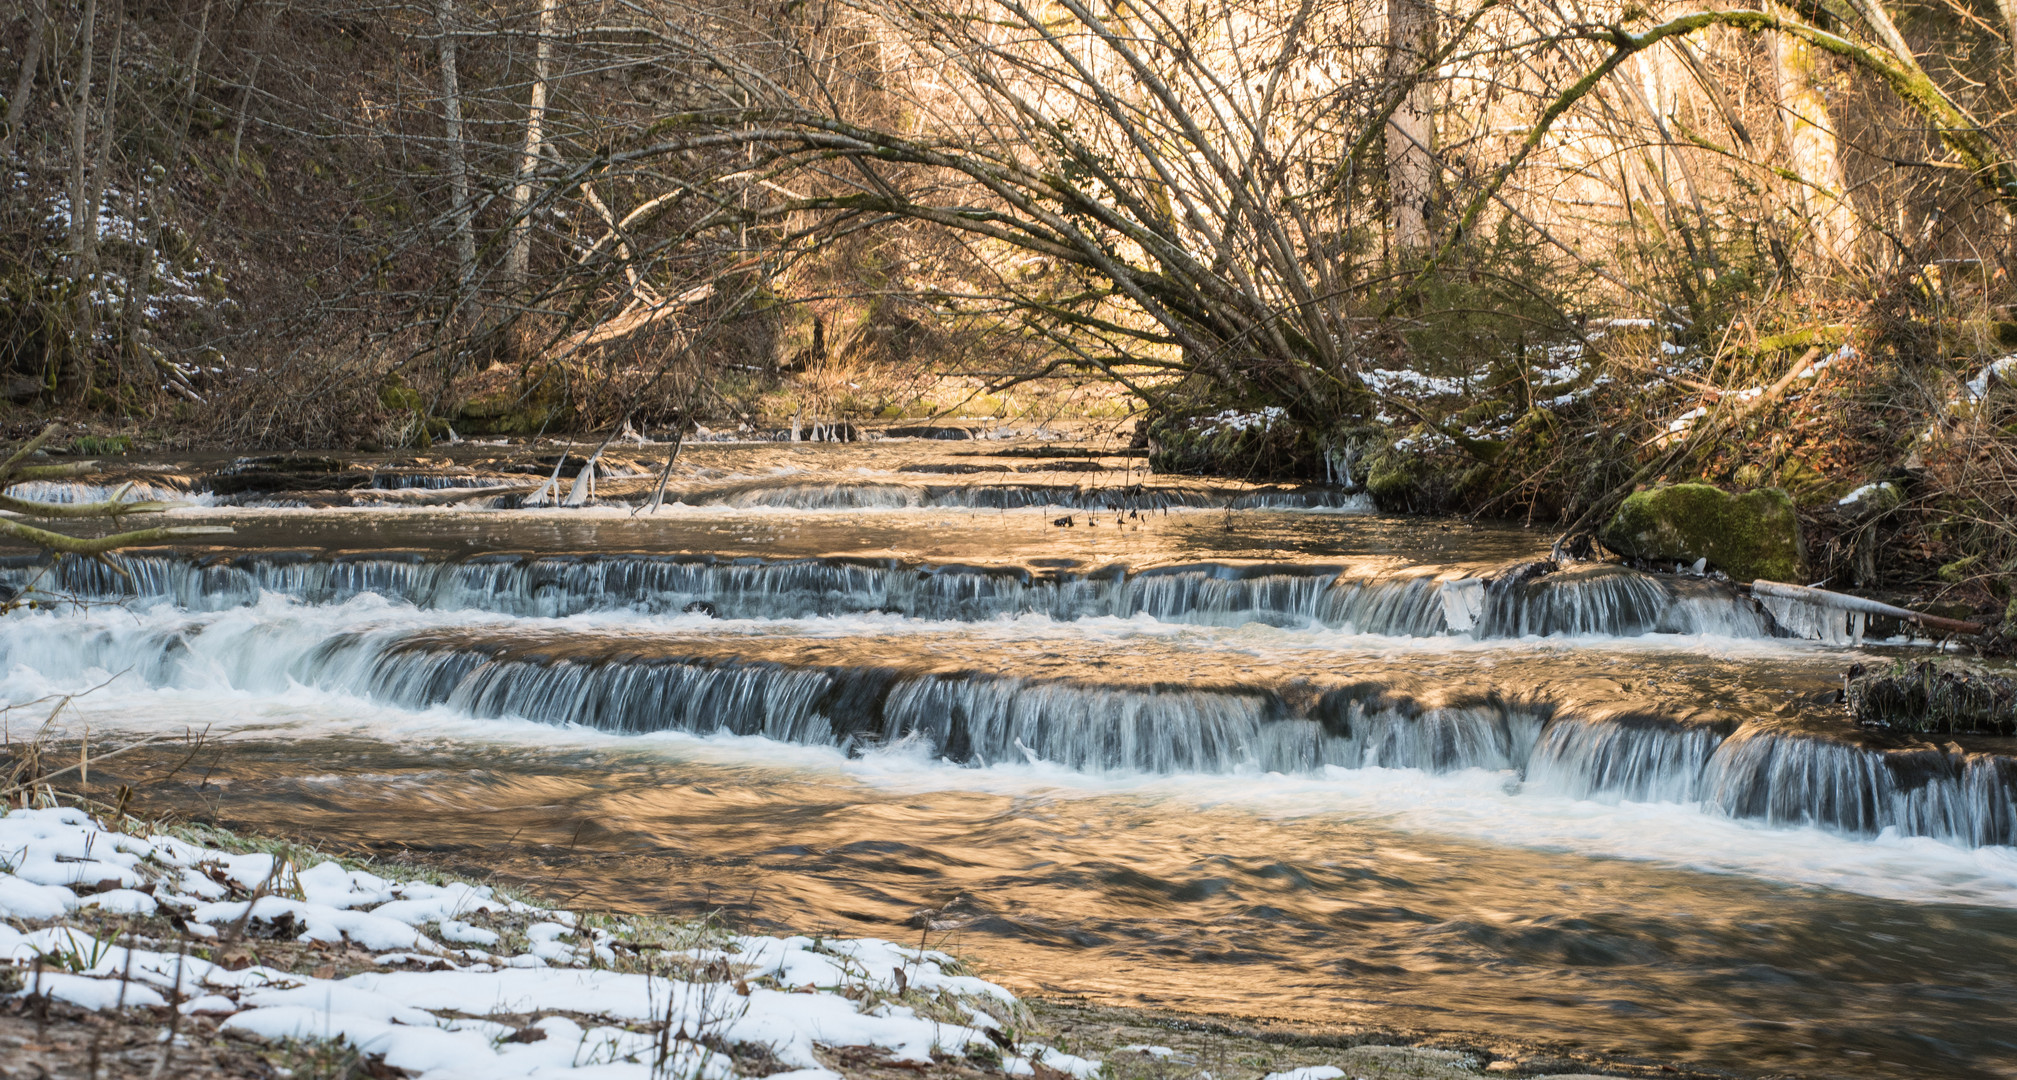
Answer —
(636, 674)
(1596, 600)
(1479, 804)
(68, 492)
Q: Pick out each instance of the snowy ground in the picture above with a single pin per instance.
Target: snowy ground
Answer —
(459, 981)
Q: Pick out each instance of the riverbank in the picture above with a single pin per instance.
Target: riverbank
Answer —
(139, 950)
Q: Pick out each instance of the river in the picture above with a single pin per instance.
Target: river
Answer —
(1231, 749)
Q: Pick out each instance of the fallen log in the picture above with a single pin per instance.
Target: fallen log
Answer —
(1844, 602)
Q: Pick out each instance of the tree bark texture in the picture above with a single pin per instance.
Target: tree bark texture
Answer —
(1812, 150)
(458, 168)
(24, 83)
(1411, 130)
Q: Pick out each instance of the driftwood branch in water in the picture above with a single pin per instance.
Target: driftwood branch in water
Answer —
(12, 470)
(1843, 601)
(99, 545)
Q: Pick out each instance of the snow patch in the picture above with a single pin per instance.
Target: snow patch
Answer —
(793, 997)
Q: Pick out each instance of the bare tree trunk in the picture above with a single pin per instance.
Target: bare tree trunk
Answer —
(83, 230)
(518, 256)
(83, 208)
(24, 84)
(1411, 131)
(94, 198)
(458, 168)
(1811, 146)
(141, 287)
(101, 165)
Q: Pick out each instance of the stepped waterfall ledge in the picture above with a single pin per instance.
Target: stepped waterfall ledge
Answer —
(1609, 601)
(1119, 713)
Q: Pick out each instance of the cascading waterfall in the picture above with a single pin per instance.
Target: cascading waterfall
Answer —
(432, 481)
(68, 492)
(1615, 600)
(1785, 779)
(1601, 600)
(1645, 759)
(1773, 774)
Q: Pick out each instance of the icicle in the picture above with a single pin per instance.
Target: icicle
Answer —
(546, 492)
(550, 489)
(1463, 602)
(584, 486)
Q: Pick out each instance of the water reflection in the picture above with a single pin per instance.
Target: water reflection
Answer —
(1138, 899)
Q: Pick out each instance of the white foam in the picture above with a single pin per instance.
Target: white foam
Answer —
(1476, 805)
(231, 675)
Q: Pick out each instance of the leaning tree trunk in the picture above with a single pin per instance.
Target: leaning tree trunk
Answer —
(1411, 131)
(24, 83)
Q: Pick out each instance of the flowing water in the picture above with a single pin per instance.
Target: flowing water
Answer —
(1232, 749)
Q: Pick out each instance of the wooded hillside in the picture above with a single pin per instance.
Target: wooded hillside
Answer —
(1500, 256)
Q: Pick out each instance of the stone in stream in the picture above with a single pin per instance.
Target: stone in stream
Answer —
(287, 473)
(928, 431)
(1937, 696)
(1748, 536)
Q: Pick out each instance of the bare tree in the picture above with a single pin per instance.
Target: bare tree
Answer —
(461, 211)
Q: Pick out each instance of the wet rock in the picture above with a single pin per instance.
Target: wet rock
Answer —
(1869, 501)
(278, 474)
(1521, 573)
(1936, 696)
(928, 431)
(1748, 536)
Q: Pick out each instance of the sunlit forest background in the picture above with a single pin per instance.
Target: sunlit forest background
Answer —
(1503, 257)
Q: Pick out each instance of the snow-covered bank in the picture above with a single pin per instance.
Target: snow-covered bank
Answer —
(449, 979)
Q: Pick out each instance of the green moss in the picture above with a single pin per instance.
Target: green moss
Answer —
(102, 445)
(526, 406)
(396, 396)
(1748, 536)
(1960, 569)
(1409, 484)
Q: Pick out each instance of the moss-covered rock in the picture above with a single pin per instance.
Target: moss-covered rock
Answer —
(1246, 443)
(1869, 502)
(1748, 536)
(1408, 484)
(527, 405)
(1938, 696)
(1423, 472)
